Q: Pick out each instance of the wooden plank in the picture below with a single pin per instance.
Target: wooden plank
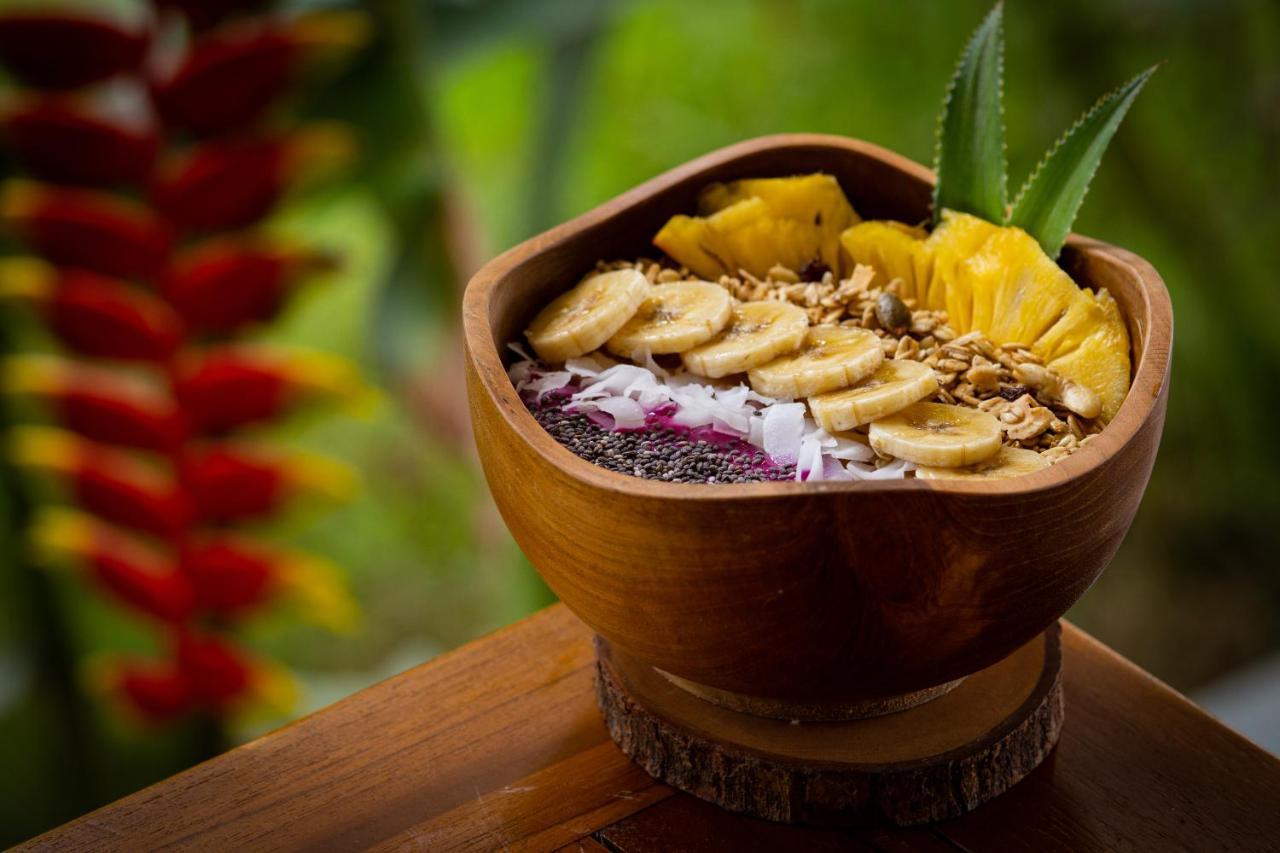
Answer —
(500, 744)
(498, 740)
(1138, 768)
(685, 823)
(584, 845)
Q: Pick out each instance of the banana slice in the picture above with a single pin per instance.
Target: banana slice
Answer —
(937, 435)
(831, 357)
(673, 318)
(758, 332)
(1009, 462)
(577, 322)
(896, 384)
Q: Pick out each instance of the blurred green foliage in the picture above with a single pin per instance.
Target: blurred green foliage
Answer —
(531, 112)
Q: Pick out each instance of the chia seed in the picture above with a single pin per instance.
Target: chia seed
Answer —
(656, 451)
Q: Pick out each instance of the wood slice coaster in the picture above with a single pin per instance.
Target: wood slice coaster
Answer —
(928, 763)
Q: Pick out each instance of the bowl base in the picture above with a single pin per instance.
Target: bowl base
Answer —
(930, 762)
(785, 709)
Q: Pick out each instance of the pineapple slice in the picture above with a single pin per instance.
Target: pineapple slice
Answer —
(756, 223)
(953, 243)
(893, 250)
(1029, 293)
(1081, 317)
(1101, 360)
(928, 264)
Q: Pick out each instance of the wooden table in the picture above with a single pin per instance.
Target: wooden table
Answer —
(498, 745)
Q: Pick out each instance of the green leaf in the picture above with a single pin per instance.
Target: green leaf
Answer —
(970, 156)
(1048, 202)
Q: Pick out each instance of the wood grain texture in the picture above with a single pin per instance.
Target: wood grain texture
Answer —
(808, 592)
(500, 743)
(496, 744)
(929, 763)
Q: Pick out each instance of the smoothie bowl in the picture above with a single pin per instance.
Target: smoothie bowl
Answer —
(802, 585)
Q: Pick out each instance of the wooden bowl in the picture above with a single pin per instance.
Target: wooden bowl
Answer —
(823, 592)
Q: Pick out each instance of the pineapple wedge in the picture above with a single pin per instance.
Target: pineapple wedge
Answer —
(756, 223)
(952, 244)
(893, 250)
(927, 264)
(1101, 360)
(1023, 291)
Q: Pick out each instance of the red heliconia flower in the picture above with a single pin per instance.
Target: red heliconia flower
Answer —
(95, 315)
(158, 692)
(229, 577)
(53, 50)
(232, 387)
(206, 13)
(222, 185)
(100, 317)
(62, 141)
(229, 80)
(99, 404)
(222, 285)
(166, 596)
(138, 448)
(233, 575)
(115, 420)
(92, 230)
(138, 576)
(204, 672)
(232, 76)
(227, 483)
(228, 184)
(218, 671)
(110, 484)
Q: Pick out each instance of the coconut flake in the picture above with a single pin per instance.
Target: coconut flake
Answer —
(850, 450)
(652, 366)
(832, 469)
(586, 367)
(809, 465)
(627, 413)
(619, 380)
(783, 432)
(895, 470)
(520, 373)
(547, 382)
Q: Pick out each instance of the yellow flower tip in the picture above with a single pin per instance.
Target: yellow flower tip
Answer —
(333, 31)
(364, 404)
(36, 375)
(322, 476)
(29, 279)
(321, 591)
(18, 198)
(44, 447)
(60, 533)
(274, 691)
(321, 149)
(329, 376)
(321, 370)
(100, 675)
(321, 261)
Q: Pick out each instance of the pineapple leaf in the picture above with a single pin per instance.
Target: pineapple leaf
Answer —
(970, 155)
(1048, 202)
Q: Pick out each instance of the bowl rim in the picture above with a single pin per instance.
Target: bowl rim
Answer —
(485, 357)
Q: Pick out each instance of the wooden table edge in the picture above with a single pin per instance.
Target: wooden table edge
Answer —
(1078, 646)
